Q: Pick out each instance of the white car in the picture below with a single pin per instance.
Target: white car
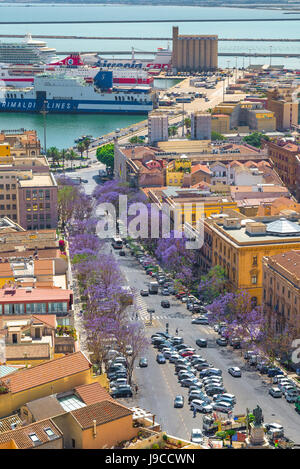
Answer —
(235, 372)
(201, 406)
(275, 392)
(196, 436)
(222, 407)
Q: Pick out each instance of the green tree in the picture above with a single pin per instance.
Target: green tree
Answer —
(81, 148)
(187, 122)
(87, 142)
(71, 156)
(255, 139)
(172, 131)
(63, 157)
(217, 136)
(105, 154)
(136, 140)
(54, 154)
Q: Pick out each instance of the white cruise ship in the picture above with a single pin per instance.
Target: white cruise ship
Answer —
(28, 51)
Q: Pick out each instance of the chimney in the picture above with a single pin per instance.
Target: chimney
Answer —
(94, 429)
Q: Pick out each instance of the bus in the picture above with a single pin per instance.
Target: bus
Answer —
(117, 243)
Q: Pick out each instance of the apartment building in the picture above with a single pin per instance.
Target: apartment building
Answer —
(158, 127)
(239, 246)
(281, 288)
(200, 126)
(285, 108)
(285, 156)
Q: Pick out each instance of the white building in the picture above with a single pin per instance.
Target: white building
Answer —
(158, 127)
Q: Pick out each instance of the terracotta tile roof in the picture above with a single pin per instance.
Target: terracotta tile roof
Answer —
(290, 261)
(36, 294)
(47, 319)
(201, 167)
(46, 372)
(103, 412)
(6, 270)
(92, 393)
(21, 435)
(43, 267)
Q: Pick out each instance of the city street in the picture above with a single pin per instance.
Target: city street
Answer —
(158, 384)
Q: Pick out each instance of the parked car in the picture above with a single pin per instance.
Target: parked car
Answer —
(222, 341)
(122, 391)
(160, 358)
(210, 372)
(186, 353)
(275, 392)
(196, 395)
(201, 406)
(274, 371)
(211, 391)
(231, 397)
(222, 406)
(235, 371)
(187, 382)
(143, 363)
(291, 396)
(179, 401)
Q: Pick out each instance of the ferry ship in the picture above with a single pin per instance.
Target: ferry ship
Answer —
(27, 52)
(63, 94)
(73, 66)
(161, 61)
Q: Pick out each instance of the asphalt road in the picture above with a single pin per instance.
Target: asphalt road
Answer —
(158, 385)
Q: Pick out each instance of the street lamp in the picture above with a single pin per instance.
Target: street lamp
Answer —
(44, 113)
(270, 56)
(183, 119)
(249, 57)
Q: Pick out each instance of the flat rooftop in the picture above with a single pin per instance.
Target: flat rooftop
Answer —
(38, 180)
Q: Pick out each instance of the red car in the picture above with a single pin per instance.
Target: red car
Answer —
(181, 294)
(187, 354)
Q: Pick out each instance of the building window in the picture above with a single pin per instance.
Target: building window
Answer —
(254, 279)
(73, 443)
(254, 260)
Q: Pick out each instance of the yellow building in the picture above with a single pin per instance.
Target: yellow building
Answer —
(185, 146)
(4, 150)
(220, 123)
(176, 170)
(191, 205)
(54, 376)
(280, 101)
(239, 247)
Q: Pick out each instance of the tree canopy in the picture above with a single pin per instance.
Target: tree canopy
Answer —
(255, 139)
(105, 154)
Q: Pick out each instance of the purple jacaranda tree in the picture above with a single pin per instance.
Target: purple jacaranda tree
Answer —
(176, 258)
(86, 244)
(242, 319)
(100, 336)
(132, 342)
(213, 284)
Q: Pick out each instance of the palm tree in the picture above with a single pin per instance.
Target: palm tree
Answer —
(86, 142)
(63, 155)
(172, 131)
(81, 148)
(53, 153)
(71, 155)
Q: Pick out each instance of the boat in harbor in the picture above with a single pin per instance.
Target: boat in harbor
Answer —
(161, 61)
(29, 51)
(24, 75)
(61, 93)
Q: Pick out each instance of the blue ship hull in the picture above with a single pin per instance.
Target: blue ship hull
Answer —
(73, 106)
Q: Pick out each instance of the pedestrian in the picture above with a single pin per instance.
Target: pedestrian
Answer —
(136, 388)
(194, 413)
(176, 332)
(136, 316)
